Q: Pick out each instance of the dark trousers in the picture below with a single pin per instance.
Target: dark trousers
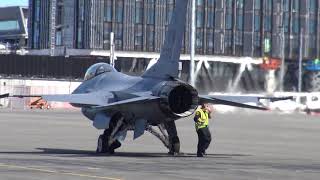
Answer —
(204, 139)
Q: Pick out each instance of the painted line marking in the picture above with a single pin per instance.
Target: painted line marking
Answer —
(57, 172)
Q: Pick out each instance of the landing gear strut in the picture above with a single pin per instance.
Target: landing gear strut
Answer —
(169, 138)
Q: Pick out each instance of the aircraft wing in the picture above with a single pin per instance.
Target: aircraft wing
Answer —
(83, 99)
(229, 102)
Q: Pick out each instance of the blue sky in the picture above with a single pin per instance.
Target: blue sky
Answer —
(13, 3)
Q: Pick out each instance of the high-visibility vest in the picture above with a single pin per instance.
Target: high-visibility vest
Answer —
(203, 120)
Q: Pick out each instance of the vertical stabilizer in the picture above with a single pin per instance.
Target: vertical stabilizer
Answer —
(168, 63)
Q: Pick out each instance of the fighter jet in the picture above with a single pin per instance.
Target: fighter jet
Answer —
(117, 103)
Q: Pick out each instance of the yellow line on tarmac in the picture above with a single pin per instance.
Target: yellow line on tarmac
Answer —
(56, 172)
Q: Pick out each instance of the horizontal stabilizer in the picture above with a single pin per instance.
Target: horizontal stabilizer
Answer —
(4, 96)
(207, 99)
(84, 99)
(248, 98)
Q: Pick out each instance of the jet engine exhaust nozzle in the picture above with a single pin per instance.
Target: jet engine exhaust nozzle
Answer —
(177, 99)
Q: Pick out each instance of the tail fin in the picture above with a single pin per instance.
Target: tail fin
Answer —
(168, 64)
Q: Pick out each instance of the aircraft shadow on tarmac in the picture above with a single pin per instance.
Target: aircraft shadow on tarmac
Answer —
(85, 153)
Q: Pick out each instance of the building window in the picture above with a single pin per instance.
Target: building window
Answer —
(257, 51)
(106, 33)
(58, 38)
(286, 5)
(209, 40)
(80, 24)
(228, 15)
(118, 36)
(210, 3)
(138, 39)
(200, 13)
(139, 12)
(200, 18)
(286, 21)
(295, 5)
(210, 18)
(267, 16)
(37, 10)
(36, 25)
(170, 5)
(199, 41)
(59, 15)
(119, 11)
(312, 6)
(150, 38)
(200, 3)
(9, 25)
(239, 14)
(257, 12)
(228, 42)
(312, 26)
(295, 25)
(150, 12)
(257, 4)
(267, 23)
(108, 11)
(256, 23)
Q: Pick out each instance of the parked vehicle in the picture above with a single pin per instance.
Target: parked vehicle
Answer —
(39, 104)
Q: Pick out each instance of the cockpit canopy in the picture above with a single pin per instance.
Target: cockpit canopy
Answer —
(98, 69)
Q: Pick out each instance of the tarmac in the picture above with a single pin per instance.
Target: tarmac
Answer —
(52, 145)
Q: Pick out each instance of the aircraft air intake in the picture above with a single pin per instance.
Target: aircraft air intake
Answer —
(177, 99)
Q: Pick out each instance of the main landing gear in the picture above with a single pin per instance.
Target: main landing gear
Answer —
(168, 135)
(107, 141)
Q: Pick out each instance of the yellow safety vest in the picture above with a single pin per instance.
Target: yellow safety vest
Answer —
(203, 120)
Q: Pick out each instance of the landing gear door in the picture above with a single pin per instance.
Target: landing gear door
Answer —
(101, 121)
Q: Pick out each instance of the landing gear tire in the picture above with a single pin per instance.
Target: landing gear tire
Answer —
(102, 146)
(174, 146)
(103, 143)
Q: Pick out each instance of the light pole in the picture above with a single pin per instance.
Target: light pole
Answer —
(282, 46)
(192, 46)
(282, 50)
(112, 58)
(300, 61)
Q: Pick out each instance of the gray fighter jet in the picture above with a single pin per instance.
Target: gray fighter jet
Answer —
(117, 103)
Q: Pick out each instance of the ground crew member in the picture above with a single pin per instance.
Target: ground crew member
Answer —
(201, 120)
